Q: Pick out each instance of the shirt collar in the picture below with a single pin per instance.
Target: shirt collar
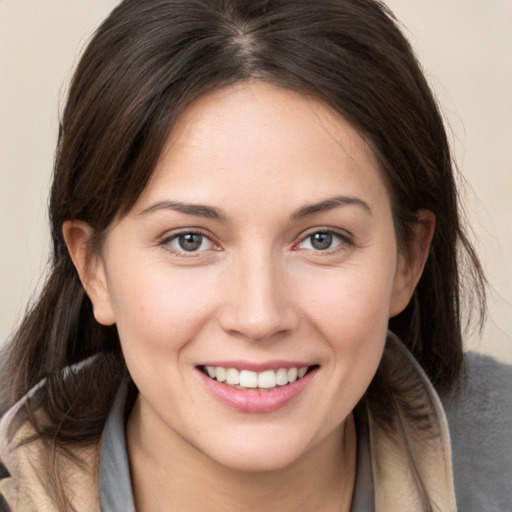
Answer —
(114, 476)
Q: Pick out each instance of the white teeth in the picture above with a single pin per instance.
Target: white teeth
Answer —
(232, 376)
(220, 374)
(292, 374)
(267, 380)
(302, 372)
(282, 377)
(248, 379)
(263, 380)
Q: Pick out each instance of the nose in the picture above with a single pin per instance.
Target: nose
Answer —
(258, 305)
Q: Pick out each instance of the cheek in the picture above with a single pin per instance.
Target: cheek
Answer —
(349, 309)
(350, 303)
(160, 310)
(355, 324)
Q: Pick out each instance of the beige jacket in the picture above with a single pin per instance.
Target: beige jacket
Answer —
(411, 464)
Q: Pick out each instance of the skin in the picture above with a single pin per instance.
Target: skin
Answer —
(256, 290)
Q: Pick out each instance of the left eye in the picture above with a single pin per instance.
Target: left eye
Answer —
(189, 242)
(321, 241)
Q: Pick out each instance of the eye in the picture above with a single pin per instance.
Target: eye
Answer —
(188, 242)
(322, 241)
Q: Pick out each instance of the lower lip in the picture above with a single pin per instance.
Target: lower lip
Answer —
(253, 400)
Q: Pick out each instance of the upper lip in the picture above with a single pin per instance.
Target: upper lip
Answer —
(257, 366)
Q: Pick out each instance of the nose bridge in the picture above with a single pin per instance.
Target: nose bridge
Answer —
(258, 306)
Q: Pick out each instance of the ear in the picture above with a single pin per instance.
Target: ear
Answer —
(411, 261)
(90, 268)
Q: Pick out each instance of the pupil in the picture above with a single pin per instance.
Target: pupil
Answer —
(321, 241)
(190, 241)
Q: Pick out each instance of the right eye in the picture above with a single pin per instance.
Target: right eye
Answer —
(188, 242)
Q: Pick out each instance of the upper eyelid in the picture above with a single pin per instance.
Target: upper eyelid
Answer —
(168, 235)
(343, 233)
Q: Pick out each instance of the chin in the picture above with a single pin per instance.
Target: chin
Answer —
(256, 461)
(260, 452)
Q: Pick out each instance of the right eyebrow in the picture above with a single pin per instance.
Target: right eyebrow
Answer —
(197, 210)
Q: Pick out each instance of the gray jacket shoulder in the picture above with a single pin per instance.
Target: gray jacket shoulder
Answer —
(480, 421)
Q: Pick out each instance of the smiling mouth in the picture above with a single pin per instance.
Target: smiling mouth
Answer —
(265, 381)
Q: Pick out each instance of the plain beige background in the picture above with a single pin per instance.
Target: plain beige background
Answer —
(465, 46)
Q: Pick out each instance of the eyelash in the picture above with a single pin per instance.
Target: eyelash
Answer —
(344, 242)
(182, 253)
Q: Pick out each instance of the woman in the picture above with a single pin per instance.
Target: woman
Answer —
(255, 289)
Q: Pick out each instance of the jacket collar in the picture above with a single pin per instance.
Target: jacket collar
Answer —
(411, 457)
(26, 490)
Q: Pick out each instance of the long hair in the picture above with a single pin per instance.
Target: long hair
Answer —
(146, 63)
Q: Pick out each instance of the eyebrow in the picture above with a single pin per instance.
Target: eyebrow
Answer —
(210, 212)
(330, 204)
(197, 210)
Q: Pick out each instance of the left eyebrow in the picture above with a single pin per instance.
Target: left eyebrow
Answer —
(330, 204)
(198, 210)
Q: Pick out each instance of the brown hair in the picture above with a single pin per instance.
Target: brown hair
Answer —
(145, 64)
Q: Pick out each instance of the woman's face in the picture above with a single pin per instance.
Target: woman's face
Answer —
(263, 247)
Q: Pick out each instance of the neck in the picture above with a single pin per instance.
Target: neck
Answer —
(170, 475)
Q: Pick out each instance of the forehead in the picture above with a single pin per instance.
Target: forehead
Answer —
(254, 138)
